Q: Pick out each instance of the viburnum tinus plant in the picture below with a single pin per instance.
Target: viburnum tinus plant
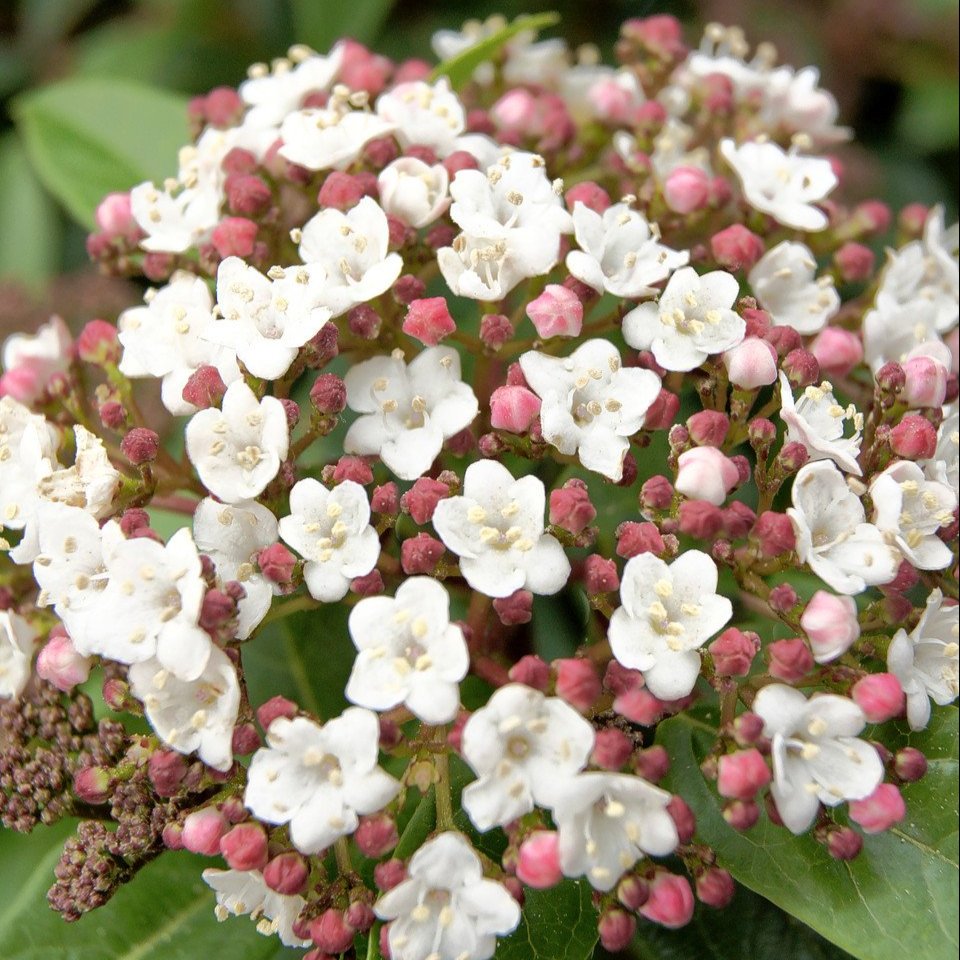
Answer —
(572, 402)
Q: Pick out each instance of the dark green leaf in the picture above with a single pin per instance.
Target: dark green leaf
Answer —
(557, 924)
(89, 137)
(320, 23)
(559, 623)
(897, 899)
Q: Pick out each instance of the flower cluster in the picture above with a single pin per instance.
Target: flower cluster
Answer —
(425, 353)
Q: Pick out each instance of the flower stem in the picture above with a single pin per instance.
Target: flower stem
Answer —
(444, 800)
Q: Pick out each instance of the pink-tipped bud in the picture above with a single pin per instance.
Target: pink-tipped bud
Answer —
(331, 932)
(708, 428)
(513, 408)
(747, 729)
(114, 216)
(910, 764)
(98, 343)
(913, 438)
(352, 468)
(844, 843)
(113, 415)
(751, 364)
(700, 519)
(495, 330)
(715, 888)
(532, 671)
(880, 811)
(635, 538)
(234, 237)
(577, 682)
(515, 609)
(420, 554)
(570, 506)
(855, 262)
(429, 320)
(140, 445)
(389, 874)
(205, 388)
(670, 902)
(741, 814)
(742, 774)
(830, 623)
(286, 873)
(328, 394)
(633, 892)
(276, 707)
(376, 835)
(704, 473)
(93, 784)
(600, 575)
(925, 383)
(639, 705)
(687, 189)
(202, 831)
(801, 368)
(422, 498)
(386, 499)
(774, 533)
(837, 351)
(557, 312)
(245, 739)
(662, 413)
(782, 598)
(683, 818)
(652, 764)
(616, 928)
(538, 860)
(59, 663)
(738, 518)
(874, 215)
(792, 457)
(736, 248)
(166, 770)
(369, 585)
(890, 378)
(879, 696)
(611, 749)
(590, 194)
(245, 847)
(277, 563)
(790, 660)
(247, 195)
(733, 652)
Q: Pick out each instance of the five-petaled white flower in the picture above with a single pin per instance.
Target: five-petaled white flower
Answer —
(445, 909)
(668, 613)
(409, 652)
(237, 450)
(331, 530)
(817, 757)
(785, 185)
(786, 285)
(319, 778)
(496, 528)
(592, 404)
(692, 320)
(413, 191)
(408, 409)
(17, 642)
(321, 138)
(944, 466)
(425, 115)
(832, 534)
(522, 746)
(92, 482)
(926, 661)
(607, 822)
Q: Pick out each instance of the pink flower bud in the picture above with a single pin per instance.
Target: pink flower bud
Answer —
(742, 774)
(513, 408)
(837, 351)
(874, 215)
(687, 189)
(784, 339)
(341, 191)
(774, 533)
(662, 412)
(114, 216)
(360, 916)
(166, 770)
(112, 414)
(331, 932)
(577, 682)
(683, 817)
(880, 811)
(801, 368)
(751, 364)
(925, 382)
(590, 194)
(277, 563)
(376, 835)
(172, 836)
(369, 585)
(656, 493)
(855, 262)
(495, 330)
(93, 784)
(385, 499)
(790, 660)
(570, 506)
(286, 873)
(913, 217)
(738, 518)
(140, 445)
(328, 394)
(704, 473)
(782, 598)
(202, 831)
(736, 248)
(616, 928)
(429, 320)
(639, 706)
(420, 554)
(747, 729)
(557, 312)
(733, 652)
(670, 902)
(600, 575)
(276, 707)
(890, 378)
(422, 498)
(532, 671)
(661, 35)
(97, 343)
(352, 468)
(205, 388)
(700, 519)
(741, 814)
(632, 892)
(611, 749)
(653, 763)
(538, 860)
(59, 662)
(245, 739)
(792, 457)
(844, 843)
(879, 696)
(635, 538)
(247, 195)
(913, 438)
(515, 609)
(234, 237)
(245, 847)
(708, 428)
(715, 887)
(364, 321)
(830, 623)
(910, 764)
(389, 874)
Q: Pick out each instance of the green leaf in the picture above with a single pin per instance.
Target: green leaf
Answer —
(929, 117)
(460, 68)
(559, 623)
(320, 23)
(88, 137)
(897, 899)
(557, 924)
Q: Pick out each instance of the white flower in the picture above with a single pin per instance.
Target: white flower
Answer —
(496, 528)
(482, 269)
(620, 252)
(607, 822)
(817, 421)
(782, 184)
(92, 483)
(408, 410)
(238, 450)
(319, 778)
(540, 64)
(925, 661)
(242, 892)
(232, 536)
(423, 114)
(175, 217)
(895, 331)
(833, 538)
(817, 757)
(168, 338)
(265, 322)
(331, 530)
(445, 909)
(17, 640)
(793, 100)
(591, 403)
(413, 191)
(150, 606)
(693, 320)
(522, 746)
(191, 715)
(34, 359)
(351, 250)
(909, 509)
(409, 652)
(785, 283)
(668, 613)
(329, 137)
(945, 465)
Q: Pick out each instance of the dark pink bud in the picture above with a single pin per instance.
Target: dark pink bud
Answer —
(662, 412)
(376, 835)
(459, 160)
(386, 499)
(687, 189)
(880, 811)
(611, 749)
(341, 191)
(774, 533)
(600, 575)
(369, 585)
(616, 929)
(632, 892)
(652, 764)
(910, 764)
(247, 195)
(113, 415)
(276, 707)
(328, 394)
(742, 774)
(166, 770)
(733, 652)
(429, 320)
(513, 408)
(738, 520)
(708, 428)
(577, 682)
(364, 321)
(670, 902)
(322, 348)
(495, 330)
(891, 379)
(532, 671)
(618, 679)
(515, 609)
(639, 706)
(245, 739)
(879, 696)
(286, 873)
(837, 351)
(590, 194)
(234, 237)
(133, 520)
(782, 598)
(277, 563)
(360, 916)
(760, 324)
(736, 248)
(700, 519)
(408, 289)
(140, 445)
(656, 493)
(205, 388)
(913, 218)
(715, 887)
(93, 784)
(741, 814)
(217, 610)
(636, 538)
(784, 339)
(913, 438)
(747, 729)
(331, 932)
(790, 660)
(420, 554)
(98, 343)
(792, 457)
(291, 410)
(801, 368)
(202, 831)
(353, 468)
(855, 262)
(844, 843)
(874, 215)
(570, 506)
(245, 847)
(538, 860)
(422, 498)
(389, 874)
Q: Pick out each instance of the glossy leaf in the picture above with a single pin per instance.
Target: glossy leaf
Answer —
(557, 924)
(897, 899)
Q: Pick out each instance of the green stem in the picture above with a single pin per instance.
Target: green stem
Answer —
(444, 800)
